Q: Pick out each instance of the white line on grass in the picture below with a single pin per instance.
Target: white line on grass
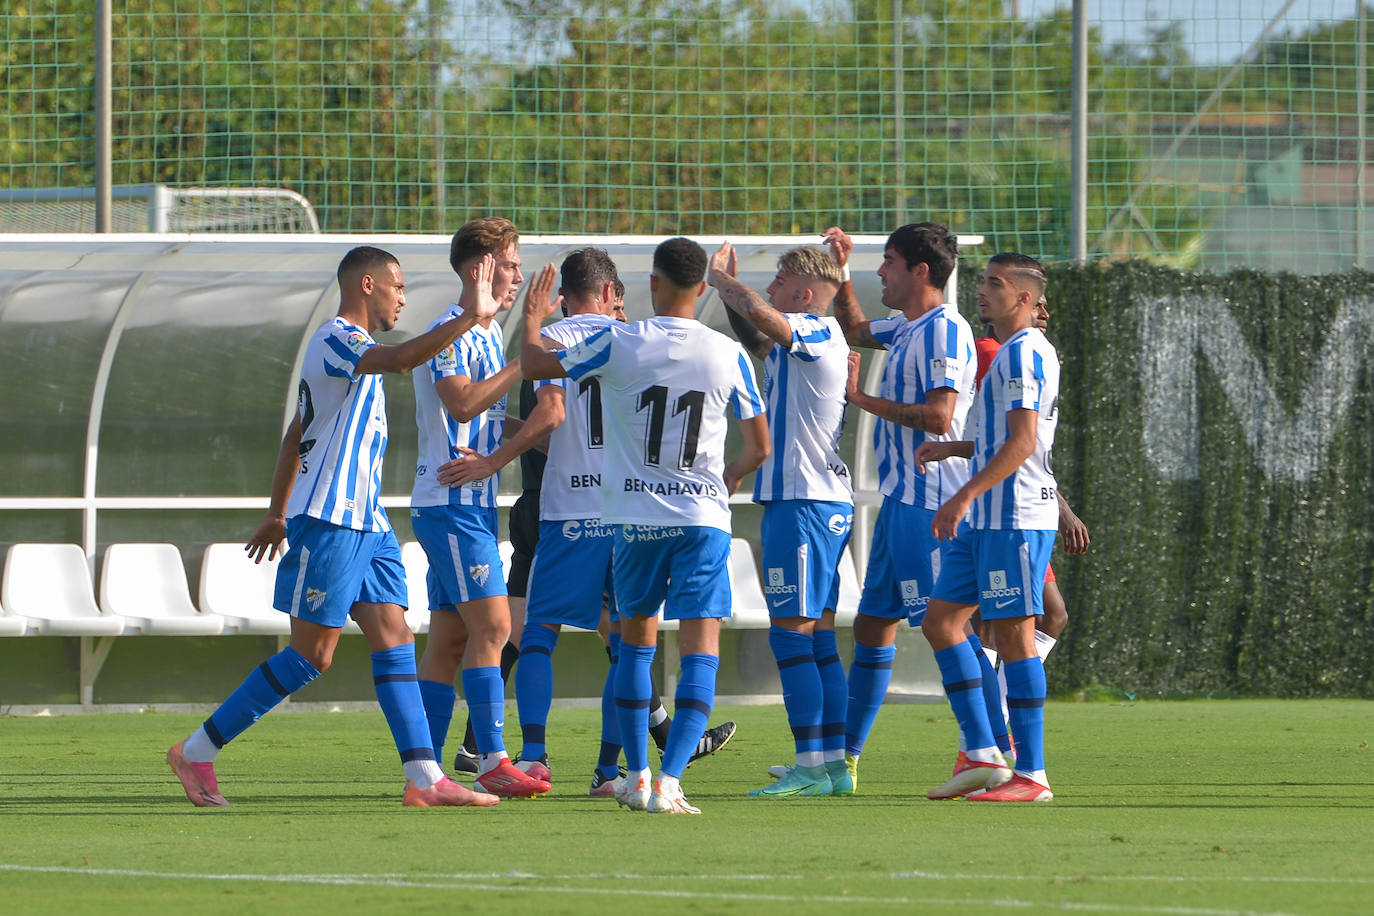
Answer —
(465, 882)
(1178, 879)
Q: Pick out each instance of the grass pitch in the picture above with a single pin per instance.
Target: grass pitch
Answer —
(1202, 807)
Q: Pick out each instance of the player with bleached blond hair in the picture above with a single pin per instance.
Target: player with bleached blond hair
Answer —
(808, 503)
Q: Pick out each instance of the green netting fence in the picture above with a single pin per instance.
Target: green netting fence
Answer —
(1222, 133)
(1215, 435)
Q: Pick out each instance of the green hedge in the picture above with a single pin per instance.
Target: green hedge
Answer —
(1244, 579)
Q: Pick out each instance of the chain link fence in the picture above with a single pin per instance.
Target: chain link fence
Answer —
(1221, 133)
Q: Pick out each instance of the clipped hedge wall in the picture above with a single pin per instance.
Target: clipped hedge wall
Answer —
(1243, 567)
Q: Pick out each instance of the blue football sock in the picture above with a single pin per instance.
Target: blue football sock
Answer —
(398, 692)
(992, 696)
(485, 694)
(608, 762)
(438, 699)
(963, 680)
(801, 690)
(834, 691)
(869, 676)
(534, 687)
(270, 683)
(632, 691)
(696, 694)
(1026, 706)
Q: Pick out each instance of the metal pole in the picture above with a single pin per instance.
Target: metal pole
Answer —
(899, 111)
(1078, 138)
(1362, 147)
(104, 120)
(436, 11)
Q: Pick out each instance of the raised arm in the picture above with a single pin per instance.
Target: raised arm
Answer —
(465, 399)
(537, 360)
(847, 310)
(757, 323)
(405, 356)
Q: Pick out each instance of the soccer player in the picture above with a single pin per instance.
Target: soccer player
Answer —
(808, 503)
(343, 558)
(927, 387)
(666, 383)
(572, 559)
(998, 565)
(1050, 625)
(460, 409)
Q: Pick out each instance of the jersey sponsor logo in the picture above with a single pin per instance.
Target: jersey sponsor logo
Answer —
(356, 341)
(911, 594)
(649, 533)
(479, 572)
(575, 529)
(838, 470)
(997, 587)
(839, 524)
(584, 481)
(314, 597)
(672, 488)
(1023, 389)
(349, 504)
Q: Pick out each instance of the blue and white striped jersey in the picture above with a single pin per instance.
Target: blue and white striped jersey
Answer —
(343, 432)
(572, 475)
(1024, 375)
(666, 384)
(479, 354)
(933, 351)
(804, 390)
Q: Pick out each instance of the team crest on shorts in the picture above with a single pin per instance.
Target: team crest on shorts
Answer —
(480, 572)
(314, 597)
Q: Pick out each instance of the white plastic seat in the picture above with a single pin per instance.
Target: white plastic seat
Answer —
(417, 567)
(10, 625)
(749, 607)
(146, 585)
(240, 591)
(507, 550)
(50, 584)
(246, 588)
(847, 605)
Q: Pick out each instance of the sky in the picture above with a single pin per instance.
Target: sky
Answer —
(1220, 30)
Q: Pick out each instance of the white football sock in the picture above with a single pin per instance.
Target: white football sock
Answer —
(424, 773)
(198, 748)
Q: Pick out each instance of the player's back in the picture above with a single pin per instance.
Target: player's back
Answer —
(571, 483)
(804, 391)
(666, 387)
